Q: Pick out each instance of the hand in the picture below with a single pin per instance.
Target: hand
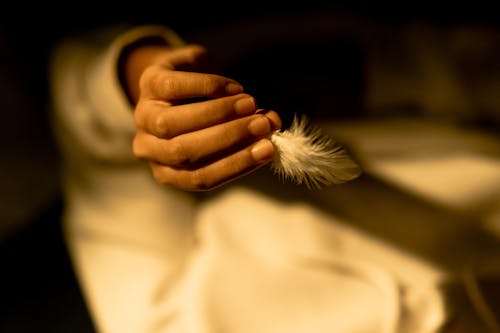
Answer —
(198, 130)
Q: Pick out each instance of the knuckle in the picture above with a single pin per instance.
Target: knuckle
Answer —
(177, 153)
(166, 84)
(157, 81)
(161, 127)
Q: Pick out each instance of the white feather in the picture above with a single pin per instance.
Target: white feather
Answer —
(306, 156)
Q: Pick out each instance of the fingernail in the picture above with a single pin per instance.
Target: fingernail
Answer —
(274, 119)
(233, 88)
(262, 150)
(259, 126)
(245, 106)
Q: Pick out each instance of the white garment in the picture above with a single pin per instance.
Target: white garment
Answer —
(154, 259)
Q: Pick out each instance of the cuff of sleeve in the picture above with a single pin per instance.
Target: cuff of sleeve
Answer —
(92, 113)
(104, 83)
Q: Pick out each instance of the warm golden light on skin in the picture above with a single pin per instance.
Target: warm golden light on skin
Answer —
(173, 212)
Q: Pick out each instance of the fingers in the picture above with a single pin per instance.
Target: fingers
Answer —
(157, 83)
(219, 172)
(193, 148)
(198, 130)
(165, 121)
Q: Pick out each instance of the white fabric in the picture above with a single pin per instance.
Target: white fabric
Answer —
(153, 259)
(451, 165)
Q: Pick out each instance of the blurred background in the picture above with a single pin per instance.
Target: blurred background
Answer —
(413, 90)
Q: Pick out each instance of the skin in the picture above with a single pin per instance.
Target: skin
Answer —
(195, 129)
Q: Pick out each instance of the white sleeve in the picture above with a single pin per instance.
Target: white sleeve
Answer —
(92, 115)
(258, 265)
(128, 236)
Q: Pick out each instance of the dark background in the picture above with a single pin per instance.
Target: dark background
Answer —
(38, 290)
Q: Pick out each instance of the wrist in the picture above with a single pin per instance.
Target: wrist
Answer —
(134, 59)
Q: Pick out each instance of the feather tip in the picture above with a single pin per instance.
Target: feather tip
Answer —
(306, 156)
